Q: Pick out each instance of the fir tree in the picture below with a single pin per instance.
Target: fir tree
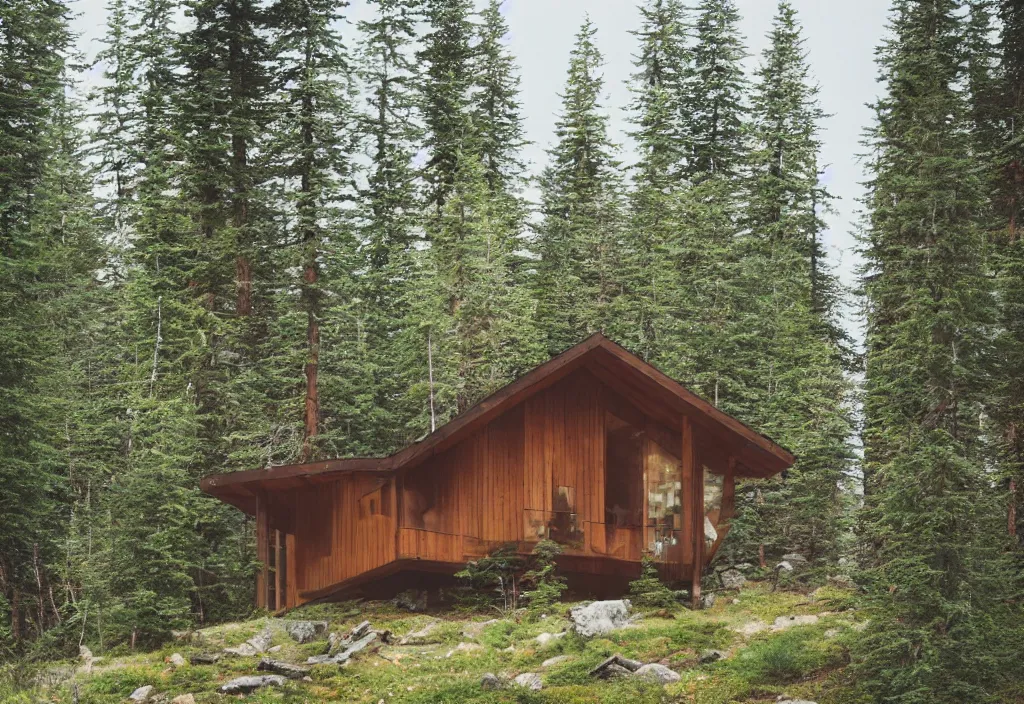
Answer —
(937, 582)
(578, 237)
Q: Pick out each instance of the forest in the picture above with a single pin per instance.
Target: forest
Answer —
(260, 240)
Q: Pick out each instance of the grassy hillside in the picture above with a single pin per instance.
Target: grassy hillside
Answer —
(772, 644)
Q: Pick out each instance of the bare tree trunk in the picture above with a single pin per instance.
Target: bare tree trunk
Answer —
(1011, 516)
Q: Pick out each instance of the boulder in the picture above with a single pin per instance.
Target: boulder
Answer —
(491, 681)
(476, 628)
(545, 638)
(305, 631)
(204, 658)
(350, 648)
(709, 656)
(423, 636)
(530, 680)
(600, 617)
(707, 600)
(657, 673)
(784, 622)
(465, 648)
(784, 567)
(244, 685)
(751, 627)
(184, 699)
(176, 659)
(254, 646)
(142, 694)
(411, 600)
(615, 666)
(557, 660)
(795, 559)
(743, 567)
(732, 579)
(292, 672)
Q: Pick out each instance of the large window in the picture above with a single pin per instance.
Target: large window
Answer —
(664, 501)
(624, 471)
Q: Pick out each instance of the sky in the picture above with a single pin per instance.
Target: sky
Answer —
(841, 38)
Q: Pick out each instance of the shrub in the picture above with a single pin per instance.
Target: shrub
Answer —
(493, 580)
(546, 586)
(648, 591)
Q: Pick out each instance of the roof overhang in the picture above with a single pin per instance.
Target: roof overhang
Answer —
(656, 394)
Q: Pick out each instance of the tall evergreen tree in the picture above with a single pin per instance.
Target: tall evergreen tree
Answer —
(578, 237)
(937, 581)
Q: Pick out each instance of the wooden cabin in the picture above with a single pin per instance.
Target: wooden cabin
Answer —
(594, 449)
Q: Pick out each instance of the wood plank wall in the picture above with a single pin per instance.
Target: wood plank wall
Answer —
(332, 540)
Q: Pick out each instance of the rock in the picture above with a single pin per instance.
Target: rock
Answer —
(657, 673)
(204, 658)
(476, 628)
(184, 699)
(709, 656)
(732, 579)
(305, 631)
(244, 685)
(421, 637)
(274, 649)
(707, 600)
(752, 627)
(616, 666)
(411, 600)
(545, 638)
(142, 694)
(465, 648)
(743, 567)
(710, 533)
(176, 659)
(292, 672)
(794, 558)
(254, 646)
(530, 680)
(600, 617)
(784, 567)
(491, 681)
(557, 660)
(784, 622)
(350, 648)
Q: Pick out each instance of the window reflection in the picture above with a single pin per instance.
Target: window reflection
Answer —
(664, 501)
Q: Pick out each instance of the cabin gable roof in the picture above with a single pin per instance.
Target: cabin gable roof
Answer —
(642, 384)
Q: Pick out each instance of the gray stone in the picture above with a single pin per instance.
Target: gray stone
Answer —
(491, 681)
(794, 558)
(557, 660)
(615, 666)
(784, 567)
(709, 656)
(530, 680)
(305, 631)
(707, 600)
(411, 600)
(743, 567)
(600, 617)
(476, 628)
(254, 646)
(184, 699)
(244, 685)
(752, 627)
(204, 658)
(292, 672)
(142, 694)
(349, 648)
(732, 579)
(657, 673)
(423, 636)
(176, 659)
(784, 622)
(545, 638)
(465, 648)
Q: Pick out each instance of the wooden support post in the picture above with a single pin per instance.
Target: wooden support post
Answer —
(279, 575)
(291, 560)
(698, 523)
(689, 501)
(262, 550)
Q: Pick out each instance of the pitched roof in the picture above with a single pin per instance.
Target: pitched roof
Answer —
(659, 396)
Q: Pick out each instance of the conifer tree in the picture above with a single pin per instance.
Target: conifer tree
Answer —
(578, 237)
(937, 579)
(447, 57)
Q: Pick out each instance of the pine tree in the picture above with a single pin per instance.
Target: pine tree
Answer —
(937, 581)
(578, 237)
(447, 57)
(642, 320)
(716, 112)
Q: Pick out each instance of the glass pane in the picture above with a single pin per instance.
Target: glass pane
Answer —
(664, 501)
(624, 471)
(714, 485)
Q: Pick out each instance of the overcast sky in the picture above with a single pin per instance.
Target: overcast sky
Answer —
(840, 40)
